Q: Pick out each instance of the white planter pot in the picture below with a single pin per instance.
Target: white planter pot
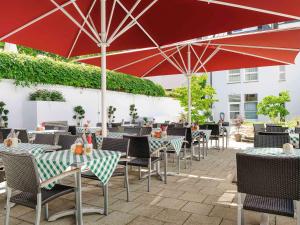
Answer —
(36, 112)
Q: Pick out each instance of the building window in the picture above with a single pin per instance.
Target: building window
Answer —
(234, 105)
(250, 106)
(251, 74)
(282, 73)
(234, 76)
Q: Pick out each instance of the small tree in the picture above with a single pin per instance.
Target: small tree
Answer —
(79, 114)
(274, 106)
(133, 113)
(3, 115)
(111, 112)
(203, 96)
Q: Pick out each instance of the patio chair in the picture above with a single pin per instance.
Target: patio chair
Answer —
(271, 139)
(180, 132)
(268, 184)
(46, 139)
(215, 134)
(132, 130)
(140, 151)
(66, 141)
(23, 135)
(120, 145)
(146, 131)
(72, 130)
(1, 137)
(275, 128)
(116, 124)
(5, 132)
(113, 129)
(259, 127)
(22, 176)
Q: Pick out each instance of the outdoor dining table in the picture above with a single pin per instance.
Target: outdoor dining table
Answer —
(34, 149)
(100, 162)
(277, 152)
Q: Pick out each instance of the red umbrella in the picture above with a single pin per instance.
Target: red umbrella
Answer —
(78, 27)
(276, 47)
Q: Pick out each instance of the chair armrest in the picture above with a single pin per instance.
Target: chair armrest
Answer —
(59, 177)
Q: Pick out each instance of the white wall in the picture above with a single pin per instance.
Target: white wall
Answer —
(268, 84)
(16, 98)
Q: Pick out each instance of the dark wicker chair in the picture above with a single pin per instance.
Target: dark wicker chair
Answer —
(23, 135)
(259, 127)
(180, 131)
(146, 131)
(275, 128)
(115, 144)
(72, 130)
(139, 150)
(215, 134)
(65, 141)
(268, 184)
(47, 139)
(5, 132)
(22, 176)
(132, 130)
(271, 139)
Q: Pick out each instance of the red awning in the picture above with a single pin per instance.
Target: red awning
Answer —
(71, 28)
(269, 48)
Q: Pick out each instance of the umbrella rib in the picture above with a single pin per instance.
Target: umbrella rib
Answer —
(181, 57)
(251, 8)
(200, 58)
(110, 18)
(74, 21)
(132, 23)
(257, 56)
(159, 63)
(198, 61)
(86, 20)
(209, 58)
(124, 19)
(34, 21)
(80, 30)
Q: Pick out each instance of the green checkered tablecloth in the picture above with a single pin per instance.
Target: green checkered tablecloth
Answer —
(272, 152)
(88, 129)
(101, 162)
(34, 149)
(174, 141)
(294, 140)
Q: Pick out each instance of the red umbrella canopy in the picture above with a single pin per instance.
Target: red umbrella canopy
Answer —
(71, 28)
(269, 48)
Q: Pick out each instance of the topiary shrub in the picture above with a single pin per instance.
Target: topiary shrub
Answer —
(45, 95)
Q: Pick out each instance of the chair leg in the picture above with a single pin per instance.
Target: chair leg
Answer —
(178, 163)
(140, 173)
(149, 175)
(38, 209)
(166, 165)
(298, 212)
(46, 211)
(7, 206)
(127, 182)
(240, 212)
(184, 156)
(105, 187)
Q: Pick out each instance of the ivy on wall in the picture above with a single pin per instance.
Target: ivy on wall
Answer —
(28, 70)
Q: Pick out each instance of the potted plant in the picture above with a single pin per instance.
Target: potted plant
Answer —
(133, 113)
(111, 112)
(3, 115)
(79, 114)
(238, 122)
(46, 95)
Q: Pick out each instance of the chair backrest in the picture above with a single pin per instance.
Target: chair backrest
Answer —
(132, 130)
(139, 146)
(5, 132)
(275, 128)
(271, 139)
(1, 137)
(113, 129)
(146, 130)
(72, 130)
(116, 124)
(65, 141)
(155, 125)
(177, 131)
(179, 125)
(297, 130)
(47, 139)
(259, 127)
(116, 144)
(189, 137)
(23, 135)
(268, 176)
(215, 129)
(21, 172)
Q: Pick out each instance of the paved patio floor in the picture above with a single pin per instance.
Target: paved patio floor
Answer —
(203, 195)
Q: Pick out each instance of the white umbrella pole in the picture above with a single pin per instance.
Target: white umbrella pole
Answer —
(189, 76)
(103, 68)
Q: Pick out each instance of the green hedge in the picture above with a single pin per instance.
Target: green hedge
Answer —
(28, 70)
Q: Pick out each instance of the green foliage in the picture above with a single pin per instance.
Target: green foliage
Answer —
(133, 113)
(274, 106)
(79, 114)
(28, 70)
(45, 95)
(3, 115)
(203, 96)
(111, 112)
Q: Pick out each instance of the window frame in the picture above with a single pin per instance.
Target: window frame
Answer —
(229, 74)
(246, 102)
(250, 73)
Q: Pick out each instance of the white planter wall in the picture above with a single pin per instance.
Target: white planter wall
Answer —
(26, 114)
